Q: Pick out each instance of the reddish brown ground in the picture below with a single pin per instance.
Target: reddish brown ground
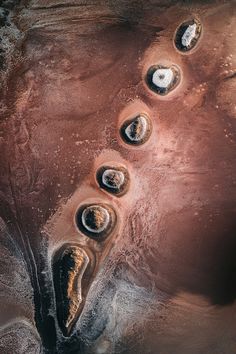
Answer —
(167, 284)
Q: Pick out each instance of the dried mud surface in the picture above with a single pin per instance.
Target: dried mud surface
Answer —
(164, 280)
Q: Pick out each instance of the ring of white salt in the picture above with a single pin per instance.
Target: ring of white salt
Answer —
(105, 177)
(143, 124)
(163, 77)
(106, 218)
(189, 35)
